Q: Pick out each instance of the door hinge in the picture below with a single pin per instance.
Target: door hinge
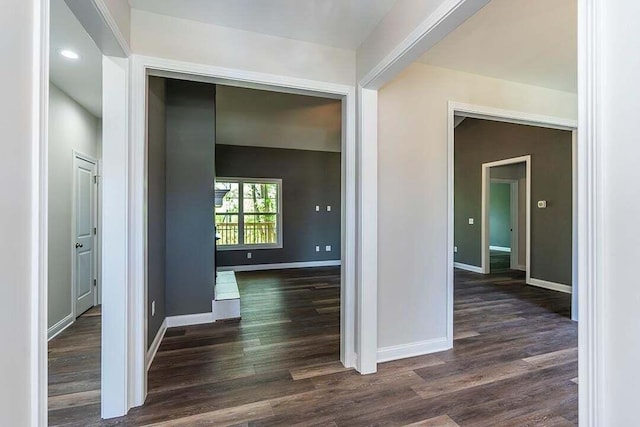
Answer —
(95, 282)
(95, 179)
(95, 230)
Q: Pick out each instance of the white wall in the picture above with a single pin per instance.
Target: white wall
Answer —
(16, 190)
(181, 39)
(412, 184)
(71, 127)
(619, 290)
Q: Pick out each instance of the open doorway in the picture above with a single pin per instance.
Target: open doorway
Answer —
(266, 169)
(74, 251)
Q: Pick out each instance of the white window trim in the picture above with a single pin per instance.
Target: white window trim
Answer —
(240, 247)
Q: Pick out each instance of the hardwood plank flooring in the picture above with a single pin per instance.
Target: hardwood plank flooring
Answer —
(514, 363)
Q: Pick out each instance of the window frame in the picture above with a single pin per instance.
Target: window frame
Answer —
(279, 218)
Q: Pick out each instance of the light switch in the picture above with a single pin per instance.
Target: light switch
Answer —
(327, 248)
(470, 221)
(248, 255)
(317, 208)
(317, 248)
(455, 249)
(328, 208)
(542, 204)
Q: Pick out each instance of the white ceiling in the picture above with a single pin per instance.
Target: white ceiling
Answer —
(80, 79)
(526, 41)
(338, 23)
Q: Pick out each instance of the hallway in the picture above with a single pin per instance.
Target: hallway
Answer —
(514, 363)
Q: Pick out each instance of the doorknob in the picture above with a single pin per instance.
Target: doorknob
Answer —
(79, 245)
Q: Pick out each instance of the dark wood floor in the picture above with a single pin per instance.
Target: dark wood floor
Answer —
(514, 363)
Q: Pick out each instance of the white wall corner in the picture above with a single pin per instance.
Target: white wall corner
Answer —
(420, 348)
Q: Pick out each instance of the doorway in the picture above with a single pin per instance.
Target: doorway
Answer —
(506, 214)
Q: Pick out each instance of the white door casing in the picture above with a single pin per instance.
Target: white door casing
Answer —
(84, 234)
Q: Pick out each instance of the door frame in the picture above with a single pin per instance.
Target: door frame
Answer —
(484, 223)
(79, 155)
(514, 211)
(352, 353)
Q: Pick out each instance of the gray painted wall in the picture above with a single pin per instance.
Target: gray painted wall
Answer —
(259, 118)
(309, 178)
(482, 141)
(500, 215)
(190, 120)
(71, 127)
(156, 213)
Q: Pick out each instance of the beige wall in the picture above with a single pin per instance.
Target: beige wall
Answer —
(412, 209)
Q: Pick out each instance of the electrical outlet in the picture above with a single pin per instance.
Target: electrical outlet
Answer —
(470, 221)
(317, 248)
(327, 248)
(455, 249)
(317, 208)
(153, 308)
(248, 255)
(328, 208)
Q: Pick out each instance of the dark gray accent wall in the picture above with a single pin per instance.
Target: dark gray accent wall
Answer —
(156, 191)
(500, 215)
(190, 115)
(481, 141)
(309, 178)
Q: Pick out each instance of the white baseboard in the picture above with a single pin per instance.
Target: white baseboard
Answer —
(190, 319)
(281, 266)
(500, 248)
(519, 267)
(419, 348)
(549, 285)
(467, 267)
(63, 324)
(151, 352)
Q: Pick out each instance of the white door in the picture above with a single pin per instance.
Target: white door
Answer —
(84, 219)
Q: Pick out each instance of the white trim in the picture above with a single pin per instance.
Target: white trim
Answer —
(448, 16)
(281, 266)
(387, 354)
(468, 267)
(63, 324)
(549, 285)
(591, 330)
(38, 354)
(486, 194)
(113, 26)
(500, 248)
(155, 344)
(575, 301)
(190, 319)
(140, 67)
(519, 267)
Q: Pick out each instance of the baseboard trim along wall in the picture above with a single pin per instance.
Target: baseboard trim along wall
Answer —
(63, 324)
(500, 248)
(155, 344)
(468, 267)
(190, 319)
(281, 266)
(520, 267)
(387, 354)
(549, 285)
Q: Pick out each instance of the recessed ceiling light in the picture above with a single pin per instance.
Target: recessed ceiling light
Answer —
(69, 54)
